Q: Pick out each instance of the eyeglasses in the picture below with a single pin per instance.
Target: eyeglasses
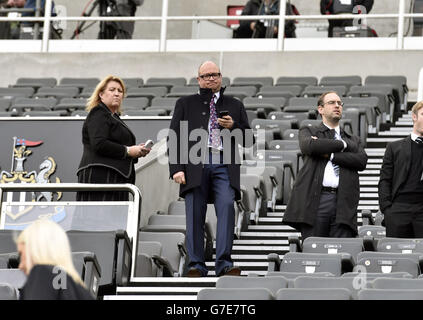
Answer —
(334, 102)
(210, 76)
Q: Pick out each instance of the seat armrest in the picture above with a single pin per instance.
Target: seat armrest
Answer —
(123, 263)
(163, 264)
(274, 262)
(294, 244)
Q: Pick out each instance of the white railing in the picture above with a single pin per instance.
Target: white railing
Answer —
(165, 18)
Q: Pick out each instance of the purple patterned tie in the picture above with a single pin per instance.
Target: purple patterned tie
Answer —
(214, 136)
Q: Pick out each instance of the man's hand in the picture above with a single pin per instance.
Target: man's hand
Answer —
(226, 122)
(179, 177)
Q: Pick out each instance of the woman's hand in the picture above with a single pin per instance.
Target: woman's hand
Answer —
(138, 151)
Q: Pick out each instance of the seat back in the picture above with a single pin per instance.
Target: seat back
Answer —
(314, 294)
(331, 282)
(389, 262)
(312, 262)
(8, 292)
(353, 246)
(234, 294)
(400, 245)
(376, 232)
(397, 283)
(273, 284)
(390, 294)
(169, 242)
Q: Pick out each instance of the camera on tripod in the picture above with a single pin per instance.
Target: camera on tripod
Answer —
(108, 29)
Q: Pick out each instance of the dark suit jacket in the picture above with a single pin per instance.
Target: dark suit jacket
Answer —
(194, 111)
(395, 167)
(105, 137)
(41, 281)
(305, 195)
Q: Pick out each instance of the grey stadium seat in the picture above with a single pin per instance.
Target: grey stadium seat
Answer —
(182, 91)
(300, 81)
(352, 246)
(37, 82)
(314, 294)
(145, 113)
(397, 283)
(277, 102)
(369, 276)
(399, 84)
(14, 277)
(390, 294)
(133, 82)
(137, 103)
(255, 81)
(71, 104)
(311, 263)
(144, 265)
(113, 252)
(400, 245)
(8, 292)
(277, 91)
(291, 134)
(150, 93)
(284, 145)
(241, 92)
(273, 284)
(256, 190)
(16, 92)
(376, 232)
(42, 113)
(57, 92)
(316, 91)
(330, 282)
(32, 104)
(234, 294)
(171, 81)
(79, 82)
(389, 262)
(291, 276)
(347, 81)
(173, 255)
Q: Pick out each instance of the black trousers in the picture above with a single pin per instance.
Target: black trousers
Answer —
(404, 220)
(325, 221)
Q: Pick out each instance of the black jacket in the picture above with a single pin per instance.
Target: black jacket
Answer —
(305, 195)
(195, 111)
(105, 137)
(41, 282)
(326, 6)
(395, 168)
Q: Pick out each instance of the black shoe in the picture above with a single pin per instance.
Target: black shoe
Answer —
(194, 273)
(230, 271)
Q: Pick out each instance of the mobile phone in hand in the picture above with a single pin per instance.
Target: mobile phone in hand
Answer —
(223, 113)
(148, 144)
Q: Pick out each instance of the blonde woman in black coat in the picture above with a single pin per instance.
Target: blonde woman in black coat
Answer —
(110, 149)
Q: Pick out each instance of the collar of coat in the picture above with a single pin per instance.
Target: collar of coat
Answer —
(207, 93)
(323, 128)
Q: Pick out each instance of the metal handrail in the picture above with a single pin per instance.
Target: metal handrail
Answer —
(164, 18)
(9, 187)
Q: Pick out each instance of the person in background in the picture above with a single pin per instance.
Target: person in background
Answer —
(267, 28)
(401, 182)
(343, 6)
(45, 257)
(110, 150)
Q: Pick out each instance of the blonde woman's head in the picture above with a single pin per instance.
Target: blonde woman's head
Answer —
(44, 242)
(111, 91)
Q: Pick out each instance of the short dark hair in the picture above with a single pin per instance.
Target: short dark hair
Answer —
(320, 101)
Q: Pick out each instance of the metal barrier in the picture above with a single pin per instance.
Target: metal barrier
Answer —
(164, 18)
(134, 206)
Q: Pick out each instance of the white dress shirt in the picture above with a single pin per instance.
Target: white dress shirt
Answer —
(330, 179)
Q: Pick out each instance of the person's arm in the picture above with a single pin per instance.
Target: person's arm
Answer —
(354, 157)
(247, 11)
(99, 125)
(325, 6)
(385, 180)
(314, 146)
(173, 140)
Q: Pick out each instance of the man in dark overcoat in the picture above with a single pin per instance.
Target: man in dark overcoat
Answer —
(401, 182)
(324, 199)
(204, 160)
